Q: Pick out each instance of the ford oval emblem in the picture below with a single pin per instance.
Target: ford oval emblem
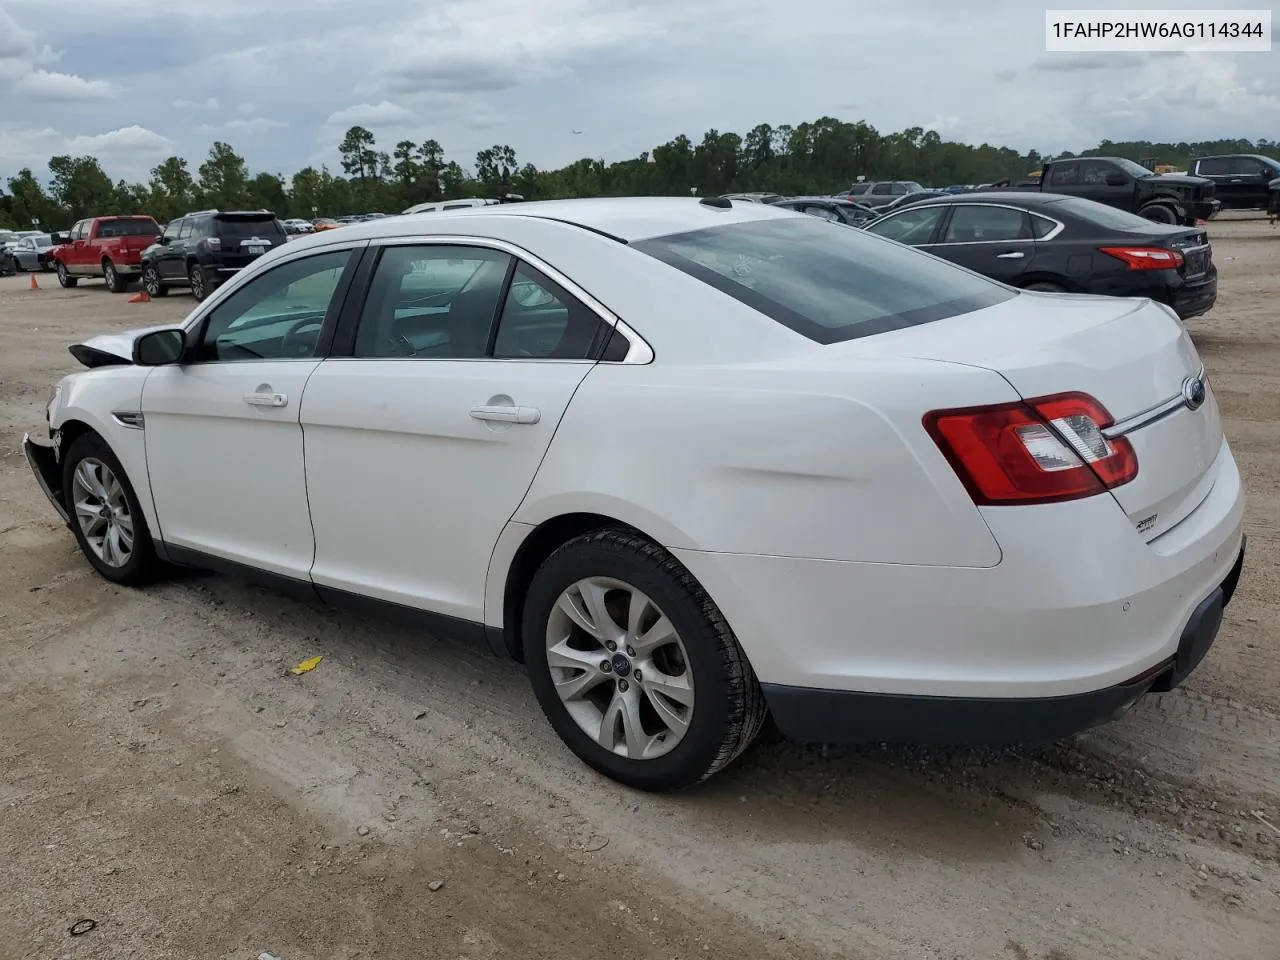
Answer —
(1193, 393)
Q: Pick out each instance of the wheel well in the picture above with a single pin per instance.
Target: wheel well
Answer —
(545, 539)
(105, 260)
(1028, 279)
(73, 430)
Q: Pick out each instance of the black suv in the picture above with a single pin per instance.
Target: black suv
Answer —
(1241, 179)
(202, 249)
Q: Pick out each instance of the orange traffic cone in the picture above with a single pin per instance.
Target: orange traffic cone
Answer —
(140, 297)
(34, 285)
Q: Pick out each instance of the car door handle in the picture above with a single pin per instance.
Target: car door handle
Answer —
(1011, 255)
(266, 399)
(506, 414)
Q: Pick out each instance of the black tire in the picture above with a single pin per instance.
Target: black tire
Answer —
(1045, 287)
(142, 564)
(115, 282)
(64, 278)
(151, 282)
(1159, 213)
(199, 282)
(729, 707)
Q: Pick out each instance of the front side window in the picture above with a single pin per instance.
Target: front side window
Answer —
(913, 226)
(277, 315)
(171, 231)
(186, 229)
(825, 281)
(432, 301)
(977, 223)
(882, 189)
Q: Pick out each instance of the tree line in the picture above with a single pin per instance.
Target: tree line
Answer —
(820, 157)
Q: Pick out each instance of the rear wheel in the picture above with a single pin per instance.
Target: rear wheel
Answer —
(105, 516)
(634, 665)
(151, 282)
(199, 282)
(64, 278)
(115, 282)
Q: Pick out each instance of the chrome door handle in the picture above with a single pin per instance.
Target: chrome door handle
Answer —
(1011, 255)
(266, 399)
(506, 414)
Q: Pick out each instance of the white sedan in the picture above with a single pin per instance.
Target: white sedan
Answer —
(693, 462)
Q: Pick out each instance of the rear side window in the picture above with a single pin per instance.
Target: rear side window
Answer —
(242, 228)
(979, 223)
(1099, 214)
(826, 281)
(1214, 167)
(129, 227)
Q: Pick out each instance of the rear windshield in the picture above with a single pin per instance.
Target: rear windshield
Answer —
(242, 228)
(129, 227)
(1099, 214)
(827, 281)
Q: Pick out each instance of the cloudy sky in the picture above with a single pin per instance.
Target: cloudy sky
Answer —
(132, 81)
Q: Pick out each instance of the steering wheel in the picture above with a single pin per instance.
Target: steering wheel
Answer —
(293, 344)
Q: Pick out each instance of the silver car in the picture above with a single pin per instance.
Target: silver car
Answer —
(28, 253)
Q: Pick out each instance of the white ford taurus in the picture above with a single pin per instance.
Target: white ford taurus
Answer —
(694, 463)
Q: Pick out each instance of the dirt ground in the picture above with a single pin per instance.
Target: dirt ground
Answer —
(161, 774)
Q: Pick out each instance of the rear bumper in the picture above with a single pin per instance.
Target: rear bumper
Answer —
(842, 716)
(1193, 299)
(1079, 605)
(43, 460)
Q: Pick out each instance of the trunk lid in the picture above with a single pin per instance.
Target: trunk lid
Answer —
(1130, 355)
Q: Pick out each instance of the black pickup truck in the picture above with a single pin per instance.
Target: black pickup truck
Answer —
(1165, 198)
(1273, 204)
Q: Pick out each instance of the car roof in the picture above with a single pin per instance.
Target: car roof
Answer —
(629, 219)
(1023, 198)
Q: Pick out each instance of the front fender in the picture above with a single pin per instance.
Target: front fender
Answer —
(105, 400)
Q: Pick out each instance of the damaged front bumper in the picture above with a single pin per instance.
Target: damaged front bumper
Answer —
(43, 458)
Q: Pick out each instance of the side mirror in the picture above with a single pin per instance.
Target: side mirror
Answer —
(58, 238)
(160, 348)
(1116, 180)
(162, 239)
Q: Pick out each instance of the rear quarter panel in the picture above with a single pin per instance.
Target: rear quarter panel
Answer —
(823, 459)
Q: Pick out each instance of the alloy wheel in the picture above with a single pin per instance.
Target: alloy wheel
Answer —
(102, 510)
(620, 668)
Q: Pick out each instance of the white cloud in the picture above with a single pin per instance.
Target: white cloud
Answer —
(46, 86)
(255, 125)
(125, 142)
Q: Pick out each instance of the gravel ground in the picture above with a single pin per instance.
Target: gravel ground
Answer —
(163, 775)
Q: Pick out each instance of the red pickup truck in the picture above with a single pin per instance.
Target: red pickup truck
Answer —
(107, 247)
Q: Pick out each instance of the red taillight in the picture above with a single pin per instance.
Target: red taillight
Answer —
(1038, 451)
(1145, 258)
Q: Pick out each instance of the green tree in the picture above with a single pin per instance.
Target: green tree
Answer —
(496, 167)
(224, 178)
(173, 191)
(81, 186)
(29, 206)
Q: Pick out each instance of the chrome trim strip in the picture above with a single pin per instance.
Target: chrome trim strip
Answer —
(1148, 416)
(1058, 227)
(132, 419)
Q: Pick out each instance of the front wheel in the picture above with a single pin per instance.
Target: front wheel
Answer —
(151, 282)
(64, 278)
(634, 665)
(105, 516)
(1159, 213)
